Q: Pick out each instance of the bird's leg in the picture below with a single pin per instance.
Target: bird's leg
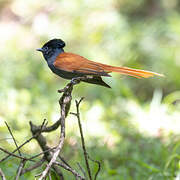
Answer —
(76, 80)
(73, 82)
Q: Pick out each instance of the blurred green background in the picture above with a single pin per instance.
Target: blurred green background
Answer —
(132, 129)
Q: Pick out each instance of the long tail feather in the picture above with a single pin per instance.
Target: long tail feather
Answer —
(132, 72)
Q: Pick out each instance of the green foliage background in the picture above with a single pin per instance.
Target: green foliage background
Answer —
(133, 128)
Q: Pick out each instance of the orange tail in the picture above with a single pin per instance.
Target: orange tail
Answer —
(132, 72)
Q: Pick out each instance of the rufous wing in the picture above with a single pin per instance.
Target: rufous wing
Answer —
(74, 63)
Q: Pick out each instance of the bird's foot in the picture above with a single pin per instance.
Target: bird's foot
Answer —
(73, 82)
(76, 80)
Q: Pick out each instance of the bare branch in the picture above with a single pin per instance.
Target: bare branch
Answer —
(42, 153)
(34, 166)
(77, 114)
(49, 175)
(63, 160)
(22, 163)
(58, 171)
(51, 155)
(46, 149)
(64, 100)
(2, 175)
(20, 168)
(47, 129)
(27, 141)
(11, 154)
(82, 170)
(99, 166)
(13, 137)
(86, 156)
(70, 169)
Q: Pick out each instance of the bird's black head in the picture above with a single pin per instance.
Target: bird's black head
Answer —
(52, 48)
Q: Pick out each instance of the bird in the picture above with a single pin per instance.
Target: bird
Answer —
(68, 65)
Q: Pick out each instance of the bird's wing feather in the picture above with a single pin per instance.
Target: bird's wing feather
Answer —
(74, 63)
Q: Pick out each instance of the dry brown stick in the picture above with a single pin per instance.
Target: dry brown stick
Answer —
(70, 169)
(77, 114)
(2, 175)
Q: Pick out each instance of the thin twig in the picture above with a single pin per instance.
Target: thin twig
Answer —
(99, 166)
(20, 168)
(22, 163)
(58, 171)
(70, 169)
(42, 153)
(13, 137)
(49, 128)
(46, 149)
(52, 127)
(77, 114)
(27, 141)
(49, 175)
(17, 156)
(82, 170)
(2, 175)
(63, 160)
(34, 166)
(17, 149)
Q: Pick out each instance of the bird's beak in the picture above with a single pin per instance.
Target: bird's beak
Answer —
(39, 49)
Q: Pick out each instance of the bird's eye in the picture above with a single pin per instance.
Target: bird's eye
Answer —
(45, 48)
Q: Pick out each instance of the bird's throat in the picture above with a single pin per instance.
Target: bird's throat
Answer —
(50, 60)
